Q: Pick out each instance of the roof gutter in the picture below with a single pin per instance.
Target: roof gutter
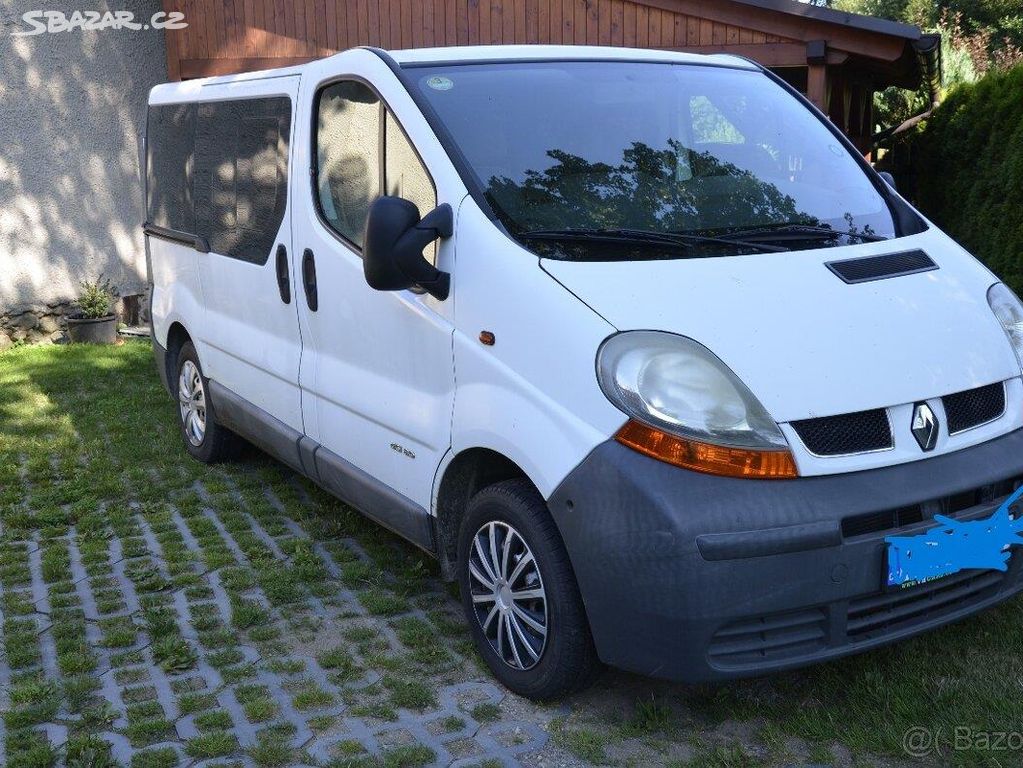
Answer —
(928, 51)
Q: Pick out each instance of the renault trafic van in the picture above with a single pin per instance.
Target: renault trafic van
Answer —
(634, 342)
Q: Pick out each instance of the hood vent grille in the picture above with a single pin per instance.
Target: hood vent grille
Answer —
(866, 269)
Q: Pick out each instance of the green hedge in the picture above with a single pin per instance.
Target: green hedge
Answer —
(968, 168)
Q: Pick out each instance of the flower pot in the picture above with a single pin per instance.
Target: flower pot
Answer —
(85, 330)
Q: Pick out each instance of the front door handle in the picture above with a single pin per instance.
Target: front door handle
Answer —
(283, 278)
(309, 279)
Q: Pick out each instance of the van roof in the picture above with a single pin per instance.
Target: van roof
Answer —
(490, 53)
(466, 55)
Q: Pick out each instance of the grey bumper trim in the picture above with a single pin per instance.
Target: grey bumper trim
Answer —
(769, 541)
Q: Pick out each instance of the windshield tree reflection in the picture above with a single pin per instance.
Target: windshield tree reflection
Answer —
(643, 191)
(664, 148)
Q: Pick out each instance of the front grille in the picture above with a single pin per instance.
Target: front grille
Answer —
(863, 270)
(805, 634)
(887, 612)
(845, 434)
(765, 638)
(888, 520)
(974, 407)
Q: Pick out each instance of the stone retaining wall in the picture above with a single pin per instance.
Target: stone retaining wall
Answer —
(45, 324)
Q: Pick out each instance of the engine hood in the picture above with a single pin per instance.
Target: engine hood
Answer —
(805, 342)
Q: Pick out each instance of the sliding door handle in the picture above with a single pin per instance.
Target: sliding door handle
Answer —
(309, 279)
(283, 274)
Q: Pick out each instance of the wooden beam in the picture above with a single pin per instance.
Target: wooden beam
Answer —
(192, 68)
(817, 86)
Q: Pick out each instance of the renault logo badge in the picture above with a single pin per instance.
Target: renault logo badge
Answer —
(925, 426)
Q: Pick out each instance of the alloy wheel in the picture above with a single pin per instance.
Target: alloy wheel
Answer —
(192, 403)
(508, 595)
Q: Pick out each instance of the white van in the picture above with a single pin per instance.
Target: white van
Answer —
(634, 342)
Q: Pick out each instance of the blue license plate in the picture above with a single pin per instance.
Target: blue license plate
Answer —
(899, 566)
(953, 546)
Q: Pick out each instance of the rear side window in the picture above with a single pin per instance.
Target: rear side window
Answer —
(219, 169)
(241, 176)
(362, 153)
(170, 159)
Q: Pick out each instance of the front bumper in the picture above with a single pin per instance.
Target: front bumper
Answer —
(697, 578)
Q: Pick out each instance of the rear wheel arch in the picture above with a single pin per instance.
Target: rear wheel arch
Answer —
(177, 337)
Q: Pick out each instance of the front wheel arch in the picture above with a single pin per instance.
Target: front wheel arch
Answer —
(466, 474)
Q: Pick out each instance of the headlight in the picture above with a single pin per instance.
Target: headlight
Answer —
(688, 407)
(1009, 311)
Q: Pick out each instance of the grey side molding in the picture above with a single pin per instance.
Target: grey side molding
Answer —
(256, 425)
(374, 499)
(341, 478)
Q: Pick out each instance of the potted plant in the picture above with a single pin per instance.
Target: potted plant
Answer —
(95, 322)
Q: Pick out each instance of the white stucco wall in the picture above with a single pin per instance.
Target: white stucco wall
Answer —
(72, 117)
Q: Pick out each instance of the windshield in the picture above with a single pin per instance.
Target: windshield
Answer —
(683, 149)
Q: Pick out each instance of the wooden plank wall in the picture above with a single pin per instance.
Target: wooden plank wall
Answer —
(234, 35)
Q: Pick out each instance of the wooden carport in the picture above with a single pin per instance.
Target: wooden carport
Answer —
(838, 59)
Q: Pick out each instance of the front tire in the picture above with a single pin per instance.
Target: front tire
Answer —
(204, 438)
(520, 595)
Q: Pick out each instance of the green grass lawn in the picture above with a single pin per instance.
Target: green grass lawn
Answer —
(94, 481)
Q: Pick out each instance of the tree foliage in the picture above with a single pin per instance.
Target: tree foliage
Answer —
(990, 31)
(968, 163)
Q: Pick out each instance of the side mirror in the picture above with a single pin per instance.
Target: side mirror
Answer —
(392, 251)
(888, 179)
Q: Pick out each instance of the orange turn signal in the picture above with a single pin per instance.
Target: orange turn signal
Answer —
(703, 457)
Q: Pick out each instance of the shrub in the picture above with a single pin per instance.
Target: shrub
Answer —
(97, 298)
(968, 163)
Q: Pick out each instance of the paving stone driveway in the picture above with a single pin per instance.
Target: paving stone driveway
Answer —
(217, 626)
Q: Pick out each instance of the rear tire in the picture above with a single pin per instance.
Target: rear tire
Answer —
(522, 602)
(204, 438)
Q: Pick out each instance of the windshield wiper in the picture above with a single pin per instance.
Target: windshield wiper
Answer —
(795, 232)
(642, 237)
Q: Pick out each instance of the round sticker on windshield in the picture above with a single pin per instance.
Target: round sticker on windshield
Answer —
(440, 83)
(836, 150)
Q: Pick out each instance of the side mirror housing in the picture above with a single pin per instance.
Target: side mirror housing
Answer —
(392, 251)
(888, 179)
